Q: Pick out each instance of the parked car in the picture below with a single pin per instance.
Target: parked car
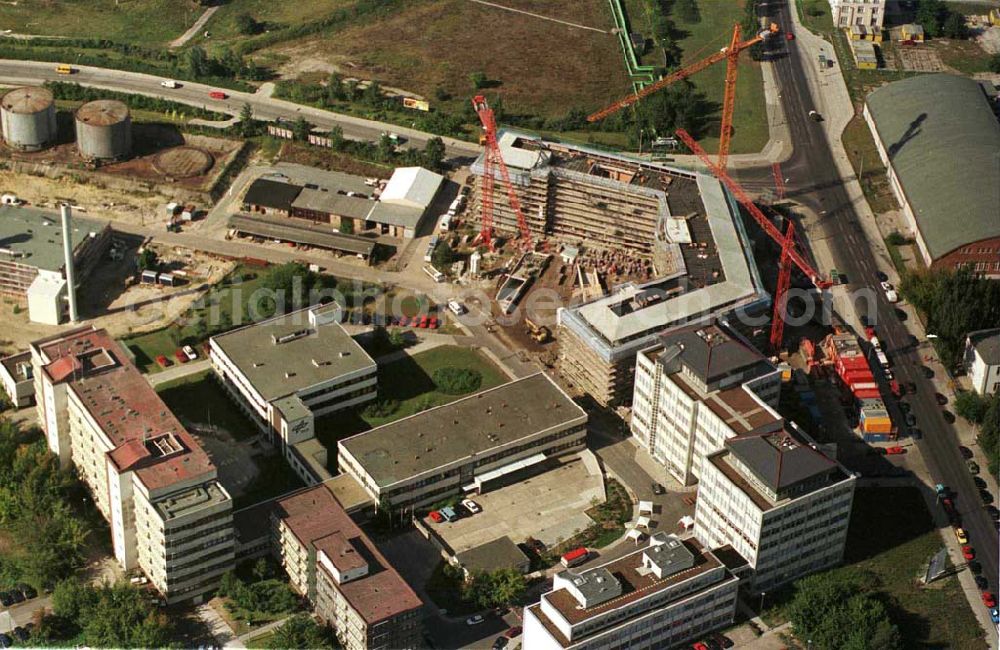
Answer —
(965, 451)
(180, 356)
(6, 599)
(17, 596)
(513, 632)
(471, 506)
(911, 421)
(993, 512)
(162, 361)
(475, 619)
(995, 615)
(448, 513)
(973, 467)
(789, 36)
(904, 406)
(500, 643)
(989, 599)
(968, 553)
(911, 387)
(21, 634)
(940, 399)
(895, 451)
(28, 591)
(815, 116)
(658, 489)
(6, 641)
(961, 536)
(982, 583)
(436, 517)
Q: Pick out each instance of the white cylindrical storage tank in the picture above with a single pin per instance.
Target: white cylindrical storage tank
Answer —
(28, 117)
(104, 130)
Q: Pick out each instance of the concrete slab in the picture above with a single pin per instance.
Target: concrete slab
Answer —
(548, 506)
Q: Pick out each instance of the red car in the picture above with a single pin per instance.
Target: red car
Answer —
(989, 599)
(513, 632)
(436, 517)
(789, 36)
(404, 321)
(180, 356)
(894, 451)
(217, 94)
(968, 553)
(423, 323)
(699, 646)
(162, 361)
(433, 323)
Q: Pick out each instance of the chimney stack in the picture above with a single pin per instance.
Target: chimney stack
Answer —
(67, 232)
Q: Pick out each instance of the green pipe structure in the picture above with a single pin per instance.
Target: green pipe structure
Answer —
(640, 75)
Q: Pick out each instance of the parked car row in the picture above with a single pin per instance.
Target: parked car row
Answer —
(465, 508)
(22, 634)
(18, 594)
(968, 551)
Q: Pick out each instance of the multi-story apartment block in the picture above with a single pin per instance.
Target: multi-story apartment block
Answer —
(169, 515)
(286, 371)
(655, 597)
(862, 13)
(333, 563)
(465, 445)
(698, 386)
(779, 502)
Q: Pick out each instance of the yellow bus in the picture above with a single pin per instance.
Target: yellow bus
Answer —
(65, 69)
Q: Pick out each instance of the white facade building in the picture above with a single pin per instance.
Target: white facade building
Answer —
(697, 387)
(655, 597)
(863, 13)
(780, 503)
(982, 360)
(168, 514)
(286, 371)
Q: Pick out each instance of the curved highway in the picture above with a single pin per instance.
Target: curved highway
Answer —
(15, 72)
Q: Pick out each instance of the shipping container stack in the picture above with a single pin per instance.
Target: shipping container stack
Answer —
(860, 387)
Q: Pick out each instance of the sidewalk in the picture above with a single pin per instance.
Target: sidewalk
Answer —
(220, 630)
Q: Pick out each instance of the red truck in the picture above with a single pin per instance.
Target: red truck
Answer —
(217, 94)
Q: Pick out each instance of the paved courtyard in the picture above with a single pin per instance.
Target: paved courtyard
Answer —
(548, 506)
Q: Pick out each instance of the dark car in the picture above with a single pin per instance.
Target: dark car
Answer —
(966, 452)
(21, 634)
(928, 372)
(910, 420)
(6, 641)
(500, 643)
(6, 598)
(658, 489)
(904, 406)
(940, 399)
(17, 596)
(916, 433)
(979, 482)
(900, 314)
(28, 591)
(986, 496)
(982, 583)
(948, 416)
(911, 387)
(882, 277)
(993, 513)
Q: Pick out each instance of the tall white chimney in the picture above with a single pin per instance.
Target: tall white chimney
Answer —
(67, 231)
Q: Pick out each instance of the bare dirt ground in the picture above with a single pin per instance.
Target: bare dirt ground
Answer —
(97, 201)
(920, 59)
(989, 40)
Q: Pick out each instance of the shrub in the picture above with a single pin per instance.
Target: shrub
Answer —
(457, 381)
(381, 408)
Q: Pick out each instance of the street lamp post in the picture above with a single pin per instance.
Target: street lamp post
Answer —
(762, 594)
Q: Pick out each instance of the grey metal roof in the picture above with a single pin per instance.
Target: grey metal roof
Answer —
(470, 427)
(987, 344)
(301, 231)
(710, 352)
(396, 215)
(501, 553)
(35, 236)
(334, 203)
(778, 460)
(277, 369)
(942, 140)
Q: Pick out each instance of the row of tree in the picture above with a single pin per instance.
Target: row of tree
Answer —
(985, 412)
(843, 610)
(938, 19)
(75, 92)
(954, 303)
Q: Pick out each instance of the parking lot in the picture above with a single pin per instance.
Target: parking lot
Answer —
(548, 506)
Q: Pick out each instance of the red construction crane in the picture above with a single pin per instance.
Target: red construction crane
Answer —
(731, 54)
(781, 291)
(789, 253)
(491, 162)
(779, 182)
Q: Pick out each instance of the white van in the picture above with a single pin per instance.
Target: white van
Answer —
(434, 274)
(445, 224)
(456, 307)
(170, 83)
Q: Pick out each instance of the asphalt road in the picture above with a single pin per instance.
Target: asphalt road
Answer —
(815, 183)
(15, 72)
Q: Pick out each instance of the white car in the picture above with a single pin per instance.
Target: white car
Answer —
(189, 353)
(474, 620)
(170, 83)
(890, 292)
(471, 506)
(456, 307)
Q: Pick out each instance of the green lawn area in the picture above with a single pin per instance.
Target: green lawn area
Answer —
(965, 56)
(750, 131)
(274, 15)
(867, 164)
(815, 15)
(409, 380)
(892, 536)
(200, 399)
(261, 641)
(147, 22)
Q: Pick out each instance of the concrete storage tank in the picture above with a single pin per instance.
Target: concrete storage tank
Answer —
(104, 130)
(28, 117)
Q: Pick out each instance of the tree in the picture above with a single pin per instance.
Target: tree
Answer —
(457, 381)
(386, 148)
(687, 11)
(971, 406)
(300, 631)
(434, 153)
(248, 125)
(335, 88)
(478, 80)
(989, 433)
(443, 256)
(499, 588)
(373, 94)
(301, 129)
(994, 63)
(954, 26)
(198, 63)
(930, 15)
(841, 609)
(336, 136)
(247, 24)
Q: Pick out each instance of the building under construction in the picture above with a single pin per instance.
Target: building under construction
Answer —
(684, 225)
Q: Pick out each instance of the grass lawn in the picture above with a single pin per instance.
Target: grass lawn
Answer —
(750, 132)
(274, 15)
(409, 380)
(865, 160)
(261, 641)
(537, 66)
(892, 535)
(146, 22)
(965, 56)
(815, 15)
(200, 399)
